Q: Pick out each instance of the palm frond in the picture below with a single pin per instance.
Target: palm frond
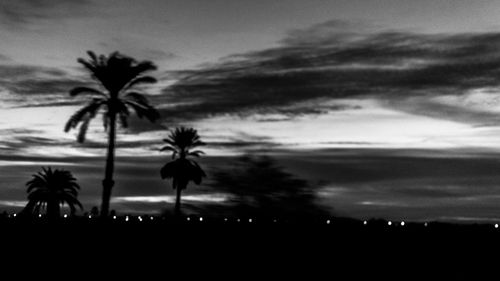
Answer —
(196, 153)
(93, 56)
(169, 170)
(83, 129)
(183, 171)
(89, 110)
(136, 97)
(144, 110)
(167, 147)
(51, 186)
(123, 119)
(89, 66)
(140, 80)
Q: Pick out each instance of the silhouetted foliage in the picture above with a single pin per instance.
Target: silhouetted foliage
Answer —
(117, 75)
(182, 170)
(259, 187)
(49, 189)
(94, 211)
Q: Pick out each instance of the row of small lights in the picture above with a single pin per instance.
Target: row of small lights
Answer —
(140, 218)
(389, 223)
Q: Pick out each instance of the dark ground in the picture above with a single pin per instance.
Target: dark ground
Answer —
(212, 246)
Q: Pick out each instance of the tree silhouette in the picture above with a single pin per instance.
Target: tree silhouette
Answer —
(182, 170)
(49, 189)
(258, 186)
(117, 75)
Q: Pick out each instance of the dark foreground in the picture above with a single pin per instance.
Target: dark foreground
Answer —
(337, 247)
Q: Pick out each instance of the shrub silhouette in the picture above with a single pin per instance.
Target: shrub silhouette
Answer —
(258, 186)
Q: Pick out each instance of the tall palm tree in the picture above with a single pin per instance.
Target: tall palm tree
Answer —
(182, 169)
(49, 189)
(117, 75)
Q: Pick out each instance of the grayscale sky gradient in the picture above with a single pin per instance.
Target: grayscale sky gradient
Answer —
(404, 90)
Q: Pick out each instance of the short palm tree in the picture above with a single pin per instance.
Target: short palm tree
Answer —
(49, 189)
(117, 75)
(182, 169)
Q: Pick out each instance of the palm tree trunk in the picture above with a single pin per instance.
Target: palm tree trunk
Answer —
(177, 209)
(53, 210)
(108, 183)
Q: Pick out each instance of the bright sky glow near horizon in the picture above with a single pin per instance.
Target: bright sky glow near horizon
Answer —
(256, 76)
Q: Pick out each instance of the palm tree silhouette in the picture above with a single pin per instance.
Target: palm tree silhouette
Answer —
(49, 189)
(117, 75)
(182, 170)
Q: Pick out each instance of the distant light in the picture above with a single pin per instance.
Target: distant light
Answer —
(402, 223)
(65, 215)
(126, 218)
(39, 215)
(188, 218)
(425, 224)
(151, 218)
(90, 217)
(238, 220)
(201, 219)
(275, 221)
(114, 217)
(327, 221)
(389, 223)
(140, 218)
(14, 215)
(496, 225)
(365, 222)
(250, 220)
(225, 219)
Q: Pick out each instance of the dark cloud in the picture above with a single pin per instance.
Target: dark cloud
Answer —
(31, 85)
(330, 62)
(20, 13)
(402, 183)
(37, 86)
(4, 58)
(432, 108)
(18, 71)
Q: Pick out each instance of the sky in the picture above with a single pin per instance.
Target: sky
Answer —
(388, 108)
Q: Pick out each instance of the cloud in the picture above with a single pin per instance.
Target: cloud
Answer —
(402, 184)
(333, 61)
(32, 85)
(22, 13)
(363, 183)
(4, 58)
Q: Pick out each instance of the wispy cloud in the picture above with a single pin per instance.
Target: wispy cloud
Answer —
(202, 198)
(21, 13)
(32, 85)
(4, 58)
(134, 48)
(329, 62)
